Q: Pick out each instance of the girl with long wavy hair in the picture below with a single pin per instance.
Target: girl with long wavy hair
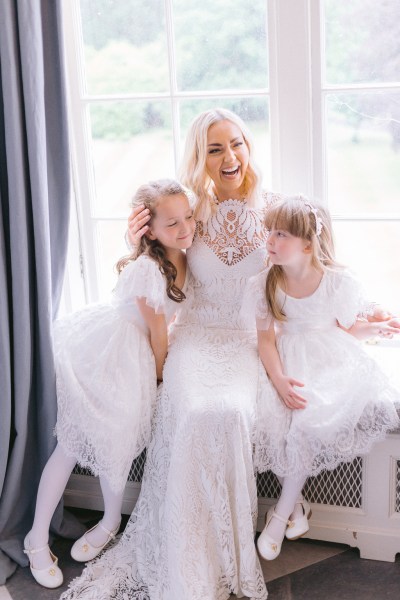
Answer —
(108, 360)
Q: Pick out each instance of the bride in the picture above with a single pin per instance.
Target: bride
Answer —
(191, 534)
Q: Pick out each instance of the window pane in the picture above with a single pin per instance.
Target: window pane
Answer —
(362, 41)
(111, 246)
(253, 111)
(131, 144)
(125, 46)
(371, 249)
(221, 45)
(363, 152)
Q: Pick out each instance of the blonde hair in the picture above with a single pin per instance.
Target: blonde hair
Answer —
(311, 222)
(151, 194)
(193, 173)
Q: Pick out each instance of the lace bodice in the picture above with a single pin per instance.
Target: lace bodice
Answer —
(226, 252)
(339, 298)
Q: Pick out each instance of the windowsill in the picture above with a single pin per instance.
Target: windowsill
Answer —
(387, 354)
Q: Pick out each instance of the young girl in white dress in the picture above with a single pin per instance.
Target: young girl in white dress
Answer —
(108, 359)
(330, 401)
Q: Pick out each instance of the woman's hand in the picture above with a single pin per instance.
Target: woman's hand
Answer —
(387, 329)
(380, 314)
(364, 330)
(289, 396)
(137, 220)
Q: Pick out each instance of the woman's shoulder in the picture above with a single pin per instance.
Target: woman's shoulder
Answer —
(269, 198)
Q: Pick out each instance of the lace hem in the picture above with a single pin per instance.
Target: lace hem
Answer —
(292, 453)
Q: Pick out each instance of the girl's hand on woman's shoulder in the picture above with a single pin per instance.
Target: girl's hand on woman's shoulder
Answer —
(137, 227)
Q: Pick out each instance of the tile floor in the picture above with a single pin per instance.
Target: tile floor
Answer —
(305, 570)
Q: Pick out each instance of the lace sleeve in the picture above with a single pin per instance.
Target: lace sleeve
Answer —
(349, 299)
(142, 278)
(254, 305)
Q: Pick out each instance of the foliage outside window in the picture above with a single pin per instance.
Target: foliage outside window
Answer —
(147, 68)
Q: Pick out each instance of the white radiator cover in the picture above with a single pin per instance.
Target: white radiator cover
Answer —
(357, 504)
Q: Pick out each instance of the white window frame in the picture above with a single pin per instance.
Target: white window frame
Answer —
(296, 96)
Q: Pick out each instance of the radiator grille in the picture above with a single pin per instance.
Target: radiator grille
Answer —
(340, 487)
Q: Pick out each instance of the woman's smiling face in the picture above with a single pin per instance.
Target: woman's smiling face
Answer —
(227, 159)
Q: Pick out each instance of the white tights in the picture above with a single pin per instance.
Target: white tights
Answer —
(51, 488)
(286, 506)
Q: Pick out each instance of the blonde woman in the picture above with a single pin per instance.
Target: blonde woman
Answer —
(191, 535)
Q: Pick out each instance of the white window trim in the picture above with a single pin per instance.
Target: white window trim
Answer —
(297, 128)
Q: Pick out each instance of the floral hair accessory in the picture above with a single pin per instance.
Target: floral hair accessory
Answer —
(318, 221)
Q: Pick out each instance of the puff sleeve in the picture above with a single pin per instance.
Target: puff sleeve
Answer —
(349, 299)
(142, 278)
(254, 308)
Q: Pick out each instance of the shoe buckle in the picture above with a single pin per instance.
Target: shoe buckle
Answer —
(274, 547)
(52, 572)
(85, 547)
(290, 524)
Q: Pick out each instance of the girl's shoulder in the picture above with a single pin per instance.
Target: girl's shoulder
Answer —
(340, 279)
(141, 278)
(142, 264)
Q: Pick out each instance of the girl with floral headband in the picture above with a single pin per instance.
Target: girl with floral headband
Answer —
(305, 303)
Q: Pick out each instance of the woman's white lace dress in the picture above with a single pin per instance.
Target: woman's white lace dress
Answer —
(351, 403)
(191, 535)
(106, 378)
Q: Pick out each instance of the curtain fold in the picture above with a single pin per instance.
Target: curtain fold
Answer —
(34, 216)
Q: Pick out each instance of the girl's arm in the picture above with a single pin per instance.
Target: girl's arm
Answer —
(272, 363)
(158, 334)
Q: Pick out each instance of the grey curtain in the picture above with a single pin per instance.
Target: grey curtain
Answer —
(34, 196)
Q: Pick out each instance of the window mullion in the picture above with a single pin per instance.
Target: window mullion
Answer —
(80, 146)
(318, 103)
(291, 98)
(173, 82)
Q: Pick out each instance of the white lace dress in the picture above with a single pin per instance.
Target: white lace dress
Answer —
(351, 402)
(106, 378)
(191, 535)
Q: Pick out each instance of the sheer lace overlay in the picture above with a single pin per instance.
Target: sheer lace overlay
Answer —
(191, 535)
(106, 379)
(351, 402)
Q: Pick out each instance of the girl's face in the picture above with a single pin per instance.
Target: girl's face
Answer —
(173, 224)
(227, 159)
(287, 250)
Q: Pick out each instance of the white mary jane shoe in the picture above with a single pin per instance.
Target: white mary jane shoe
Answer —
(49, 577)
(268, 547)
(299, 527)
(83, 550)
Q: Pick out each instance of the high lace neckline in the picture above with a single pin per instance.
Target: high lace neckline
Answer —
(233, 232)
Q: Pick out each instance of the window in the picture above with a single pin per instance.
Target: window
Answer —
(316, 81)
